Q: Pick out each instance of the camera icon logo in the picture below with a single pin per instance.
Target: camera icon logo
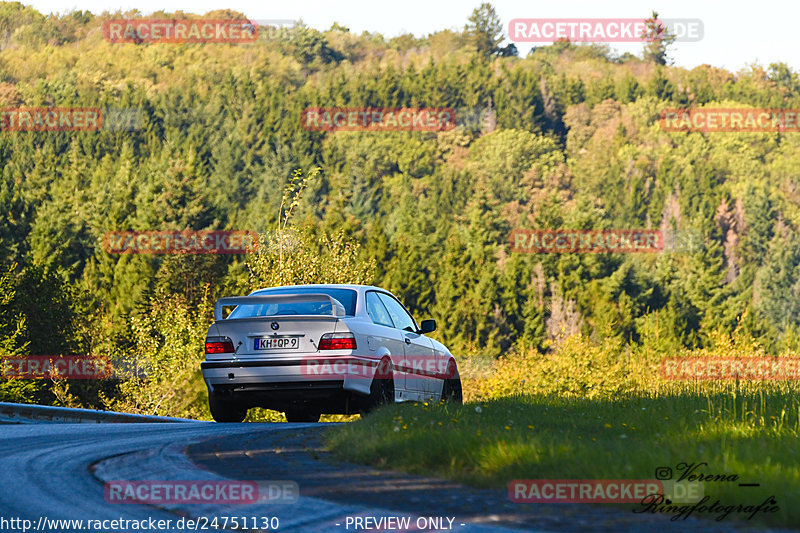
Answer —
(663, 473)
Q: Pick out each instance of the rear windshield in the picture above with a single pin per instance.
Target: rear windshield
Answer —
(347, 297)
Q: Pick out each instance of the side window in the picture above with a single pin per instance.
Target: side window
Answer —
(376, 310)
(400, 317)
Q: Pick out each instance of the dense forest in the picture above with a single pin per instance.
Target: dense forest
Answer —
(566, 137)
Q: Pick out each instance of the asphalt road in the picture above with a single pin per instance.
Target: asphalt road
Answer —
(57, 472)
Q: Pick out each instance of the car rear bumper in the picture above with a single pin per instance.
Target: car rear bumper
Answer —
(303, 376)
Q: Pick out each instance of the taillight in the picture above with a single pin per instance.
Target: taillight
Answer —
(219, 345)
(337, 341)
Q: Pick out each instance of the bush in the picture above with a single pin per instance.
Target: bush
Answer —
(160, 373)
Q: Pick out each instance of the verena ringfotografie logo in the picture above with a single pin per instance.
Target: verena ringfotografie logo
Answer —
(710, 120)
(603, 30)
(378, 119)
(693, 478)
(180, 31)
(201, 492)
(180, 242)
(354, 368)
(730, 368)
(56, 366)
(586, 241)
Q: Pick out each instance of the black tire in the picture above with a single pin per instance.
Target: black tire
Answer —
(381, 392)
(451, 389)
(225, 411)
(301, 414)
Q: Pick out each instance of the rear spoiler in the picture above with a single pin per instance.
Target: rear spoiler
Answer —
(336, 306)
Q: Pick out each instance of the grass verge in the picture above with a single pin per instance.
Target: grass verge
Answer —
(753, 435)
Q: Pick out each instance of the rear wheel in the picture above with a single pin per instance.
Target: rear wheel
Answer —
(381, 392)
(225, 410)
(301, 414)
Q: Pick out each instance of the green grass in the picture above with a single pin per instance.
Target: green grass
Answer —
(490, 443)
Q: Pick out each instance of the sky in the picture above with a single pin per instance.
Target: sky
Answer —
(736, 34)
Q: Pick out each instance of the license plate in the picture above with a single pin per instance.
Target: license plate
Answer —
(277, 343)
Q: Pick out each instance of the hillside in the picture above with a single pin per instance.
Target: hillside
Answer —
(567, 137)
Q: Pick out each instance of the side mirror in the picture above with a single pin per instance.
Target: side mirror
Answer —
(427, 326)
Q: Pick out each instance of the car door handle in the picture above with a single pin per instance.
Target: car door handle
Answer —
(408, 341)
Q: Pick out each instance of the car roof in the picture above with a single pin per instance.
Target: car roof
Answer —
(359, 288)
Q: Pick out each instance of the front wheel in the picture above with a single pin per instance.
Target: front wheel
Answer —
(225, 411)
(451, 389)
